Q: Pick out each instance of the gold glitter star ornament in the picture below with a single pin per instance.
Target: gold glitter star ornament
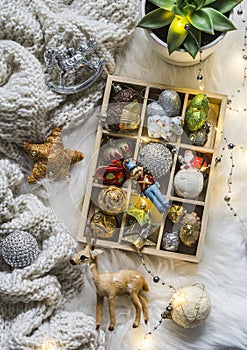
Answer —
(51, 158)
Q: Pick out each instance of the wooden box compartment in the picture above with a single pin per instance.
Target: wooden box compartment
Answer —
(112, 144)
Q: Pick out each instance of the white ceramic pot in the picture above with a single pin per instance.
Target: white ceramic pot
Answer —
(179, 57)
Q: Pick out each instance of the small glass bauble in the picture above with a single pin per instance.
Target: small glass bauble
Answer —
(157, 158)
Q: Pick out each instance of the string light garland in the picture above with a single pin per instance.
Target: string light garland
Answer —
(230, 105)
(231, 147)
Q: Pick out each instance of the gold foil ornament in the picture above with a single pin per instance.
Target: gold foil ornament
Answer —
(190, 230)
(176, 212)
(112, 200)
(130, 116)
(103, 225)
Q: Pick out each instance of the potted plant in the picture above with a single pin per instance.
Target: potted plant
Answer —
(178, 29)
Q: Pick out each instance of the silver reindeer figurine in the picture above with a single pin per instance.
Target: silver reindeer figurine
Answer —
(70, 61)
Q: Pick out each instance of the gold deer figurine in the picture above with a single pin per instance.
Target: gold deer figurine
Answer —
(111, 284)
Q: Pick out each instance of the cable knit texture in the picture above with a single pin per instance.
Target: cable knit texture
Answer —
(28, 110)
(32, 298)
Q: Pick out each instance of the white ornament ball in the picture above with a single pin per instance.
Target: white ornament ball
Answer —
(20, 249)
(188, 183)
(190, 306)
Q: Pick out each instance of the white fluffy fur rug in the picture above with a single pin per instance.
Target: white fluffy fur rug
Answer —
(223, 268)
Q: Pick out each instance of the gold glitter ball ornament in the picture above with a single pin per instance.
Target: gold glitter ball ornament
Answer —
(189, 306)
(112, 200)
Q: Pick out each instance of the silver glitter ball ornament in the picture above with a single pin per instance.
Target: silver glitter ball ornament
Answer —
(19, 249)
(171, 102)
(157, 158)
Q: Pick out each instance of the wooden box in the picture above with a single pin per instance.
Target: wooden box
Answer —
(137, 138)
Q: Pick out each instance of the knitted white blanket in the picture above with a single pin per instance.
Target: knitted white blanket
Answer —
(32, 298)
(37, 293)
(28, 109)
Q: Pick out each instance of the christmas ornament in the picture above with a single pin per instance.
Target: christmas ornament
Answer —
(19, 249)
(176, 212)
(51, 158)
(112, 200)
(171, 102)
(190, 230)
(69, 62)
(139, 227)
(112, 284)
(200, 136)
(157, 158)
(141, 202)
(103, 225)
(155, 108)
(170, 241)
(146, 184)
(189, 180)
(141, 216)
(166, 127)
(188, 183)
(125, 112)
(113, 174)
(117, 149)
(189, 306)
(197, 111)
(137, 241)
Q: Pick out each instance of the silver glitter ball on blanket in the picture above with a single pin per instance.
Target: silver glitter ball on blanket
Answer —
(19, 249)
(157, 158)
(171, 102)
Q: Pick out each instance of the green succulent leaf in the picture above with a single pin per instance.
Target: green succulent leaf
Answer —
(156, 19)
(178, 11)
(208, 2)
(226, 5)
(202, 21)
(193, 43)
(220, 22)
(164, 4)
(176, 34)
